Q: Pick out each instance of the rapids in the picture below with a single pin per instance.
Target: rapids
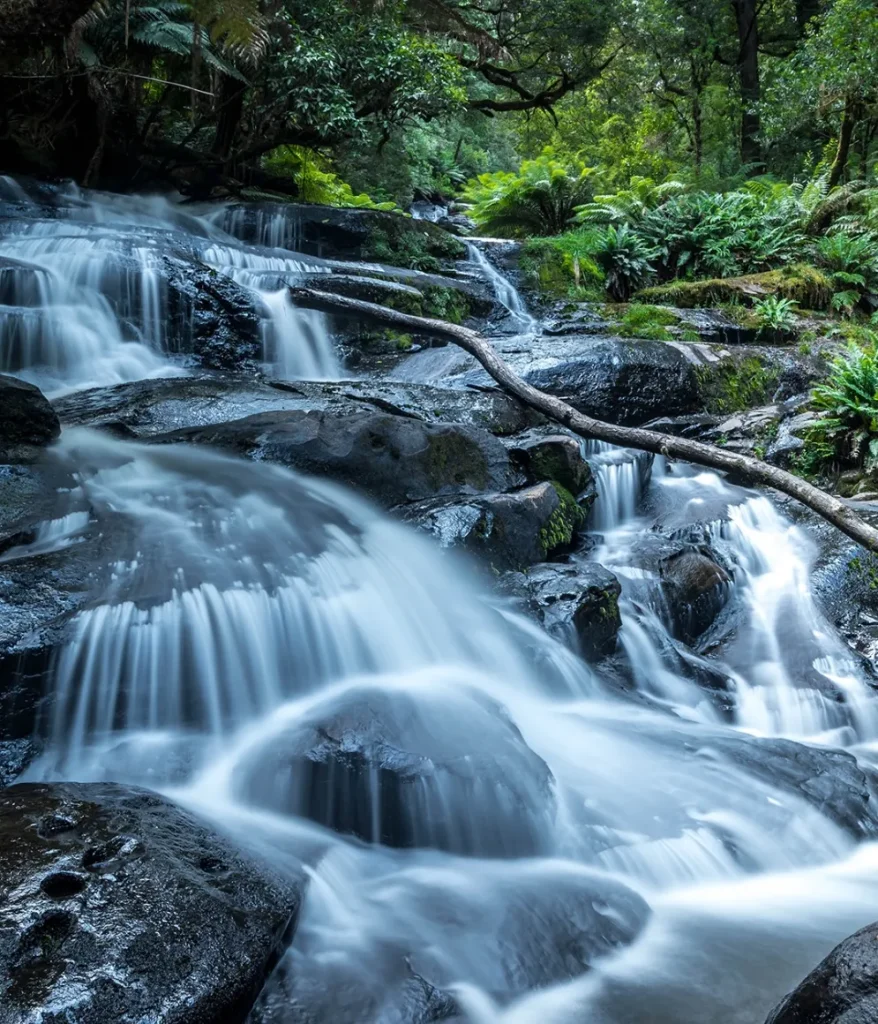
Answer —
(247, 613)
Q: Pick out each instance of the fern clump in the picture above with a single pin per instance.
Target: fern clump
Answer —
(847, 432)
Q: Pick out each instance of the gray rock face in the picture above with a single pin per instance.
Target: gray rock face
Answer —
(842, 989)
(447, 771)
(390, 458)
(558, 457)
(696, 589)
(120, 906)
(27, 420)
(507, 531)
(576, 603)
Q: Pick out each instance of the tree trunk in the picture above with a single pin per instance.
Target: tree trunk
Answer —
(806, 10)
(845, 135)
(745, 468)
(229, 113)
(748, 78)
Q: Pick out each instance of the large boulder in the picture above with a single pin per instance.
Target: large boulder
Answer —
(439, 768)
(146, 408)
(346, 233)
(27, 420)
(506, 531)
(551, 456)
(526, 925)
(118, 905)
(696, 589)
(842, 989)
(392, 459)
(577, 603)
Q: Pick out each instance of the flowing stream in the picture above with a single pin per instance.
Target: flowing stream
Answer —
(250, 613)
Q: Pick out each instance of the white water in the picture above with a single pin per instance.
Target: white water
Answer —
(506, 293)
(246, 610)
(85, 299)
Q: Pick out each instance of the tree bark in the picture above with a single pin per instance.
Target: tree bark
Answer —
(745, 468)
(846, 133)
(747, 22)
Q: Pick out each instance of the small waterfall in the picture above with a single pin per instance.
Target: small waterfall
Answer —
(506, 293)
(86, 300)
(621, 476)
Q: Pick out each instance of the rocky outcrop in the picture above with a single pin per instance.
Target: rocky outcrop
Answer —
(505, 531)
(390, 458)
(576, 603)
(120, 906)
(344, 233)
(696, 589)
(27, 420)
(547, 456)
(842, 989)
(439, 768)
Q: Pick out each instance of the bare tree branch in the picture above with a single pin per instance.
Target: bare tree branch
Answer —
(745, 468)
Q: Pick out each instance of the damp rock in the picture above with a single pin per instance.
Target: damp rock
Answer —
(444, 769)
(842, 989)
(120, 906)
(27, 420)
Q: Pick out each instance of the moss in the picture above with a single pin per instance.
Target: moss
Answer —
(641, 320)
(563, 523)
(734, 385)
(415, 244)
(807, 285)
(453, 458)
(450, 304)
(559, 267)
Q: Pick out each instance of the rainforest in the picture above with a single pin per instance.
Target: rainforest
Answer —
(438, 512)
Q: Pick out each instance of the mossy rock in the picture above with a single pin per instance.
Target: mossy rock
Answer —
(563, 524)
(810, 287)
(735, 384)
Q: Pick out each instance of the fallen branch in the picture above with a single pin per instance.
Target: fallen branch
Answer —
(745, 468)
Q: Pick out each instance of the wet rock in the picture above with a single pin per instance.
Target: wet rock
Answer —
(696, 589)
(346, 233)
(507, 531)
(557, 457)
(790, 439)
(27, 420)
(391, 458)
(842, 989)
(576, 603)
(830, 780)
(149, 407)
(120, 906)
(432, 768)
(210, 316)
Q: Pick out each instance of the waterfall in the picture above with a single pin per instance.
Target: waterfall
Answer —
(505, 292)
(86, 301)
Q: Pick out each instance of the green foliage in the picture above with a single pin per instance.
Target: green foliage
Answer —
(563, 265)
(776, 313)
(624, 257)
(808, 286)
(651, 322)
(736, 384)
(852, 264)
(314, 182)
(630, 205)
(847, 431)
(540, 199)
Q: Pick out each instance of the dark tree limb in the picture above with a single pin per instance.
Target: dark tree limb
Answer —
(745, 468)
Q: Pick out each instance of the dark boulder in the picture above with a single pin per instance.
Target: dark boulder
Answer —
(430, 768)
(506, 531)
(210, 316)
(340, 232)
(696, 589)
(27, 420)
(390, 458)
(842, 989)
(118, 905)
(576, 603)
(558, 457)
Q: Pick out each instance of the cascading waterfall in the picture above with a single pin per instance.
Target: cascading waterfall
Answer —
(507, 294)
(475, 808)
(84, 301)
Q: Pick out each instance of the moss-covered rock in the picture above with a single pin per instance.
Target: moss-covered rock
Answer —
(553, 457)
(807, 285)
(563, 524)
(734, 384)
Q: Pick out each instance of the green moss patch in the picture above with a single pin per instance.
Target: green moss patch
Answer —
(735, 385)
(563, 524)
(810, 287)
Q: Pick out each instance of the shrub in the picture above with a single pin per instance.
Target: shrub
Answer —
(628, 206)
(775, 314)
(563, 265)
(624, 257)
(848, 399)
(539, 200)
(852, 264)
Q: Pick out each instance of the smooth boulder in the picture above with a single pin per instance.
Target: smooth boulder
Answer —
(27, 420)
(842, 989)
(119, 906)
(432, 768)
